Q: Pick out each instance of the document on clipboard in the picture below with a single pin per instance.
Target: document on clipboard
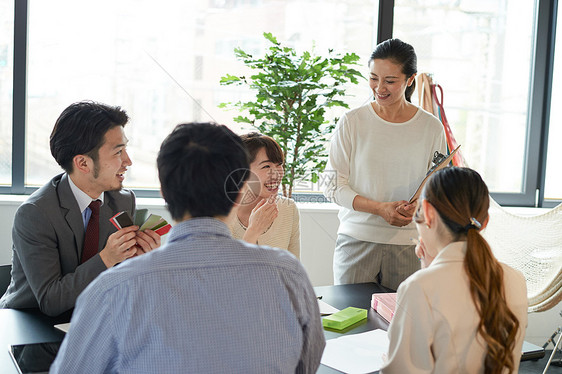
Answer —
(440, 161)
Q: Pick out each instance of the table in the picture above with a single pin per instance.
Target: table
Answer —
(30, 326)
(356, 295)
(24, 327)
(359, 296)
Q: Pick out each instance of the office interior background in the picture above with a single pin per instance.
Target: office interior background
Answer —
(496, 61)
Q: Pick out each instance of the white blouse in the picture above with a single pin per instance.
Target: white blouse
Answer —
(434, 328)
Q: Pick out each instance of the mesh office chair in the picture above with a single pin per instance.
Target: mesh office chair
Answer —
(532, 245)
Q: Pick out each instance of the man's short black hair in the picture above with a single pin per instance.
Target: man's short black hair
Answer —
(80, 130)
(202, 167)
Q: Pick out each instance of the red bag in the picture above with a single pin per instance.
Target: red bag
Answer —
(458, 160)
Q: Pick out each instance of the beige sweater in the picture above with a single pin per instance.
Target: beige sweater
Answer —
(284, 233)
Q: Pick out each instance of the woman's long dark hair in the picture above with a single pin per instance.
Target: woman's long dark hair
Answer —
(461, 198)
(401, 53)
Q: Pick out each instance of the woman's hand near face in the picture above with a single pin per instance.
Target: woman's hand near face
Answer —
(261, 218)
(423, 254)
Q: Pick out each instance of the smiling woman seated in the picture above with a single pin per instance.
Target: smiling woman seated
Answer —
(263, 216)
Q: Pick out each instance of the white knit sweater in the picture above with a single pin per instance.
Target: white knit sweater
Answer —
(382, 161)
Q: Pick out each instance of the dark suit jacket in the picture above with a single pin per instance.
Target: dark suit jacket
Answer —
(48, 235)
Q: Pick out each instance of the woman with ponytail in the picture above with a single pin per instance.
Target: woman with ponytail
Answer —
(465, 312)
(380, 152)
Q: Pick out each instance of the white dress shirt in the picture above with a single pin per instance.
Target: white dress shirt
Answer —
(83, 200)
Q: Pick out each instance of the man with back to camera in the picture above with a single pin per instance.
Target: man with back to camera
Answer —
(204, 302)
(62, 236)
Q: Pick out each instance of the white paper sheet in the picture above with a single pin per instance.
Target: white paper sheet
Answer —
(358, 353)
(63, 327)
(325, 308)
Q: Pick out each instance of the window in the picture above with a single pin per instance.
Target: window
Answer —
(553, 183)
(124, 53)
(480, 52)
(162, 63)
(154, 60)
(6, 80)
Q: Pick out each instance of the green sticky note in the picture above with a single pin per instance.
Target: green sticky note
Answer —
(344, 318)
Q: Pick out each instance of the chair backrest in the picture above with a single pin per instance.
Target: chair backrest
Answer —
(5, 278)
(532, 245)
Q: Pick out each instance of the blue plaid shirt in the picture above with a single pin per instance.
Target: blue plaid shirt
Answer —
(203, 303)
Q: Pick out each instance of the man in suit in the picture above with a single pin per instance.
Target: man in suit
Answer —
(204, 302)
(62, 236)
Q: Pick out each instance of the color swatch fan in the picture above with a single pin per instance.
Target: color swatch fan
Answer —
(154, 222)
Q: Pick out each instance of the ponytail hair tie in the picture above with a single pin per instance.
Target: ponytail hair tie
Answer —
(474, 224)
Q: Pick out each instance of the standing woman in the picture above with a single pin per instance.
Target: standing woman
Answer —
(465, 312)
(263, 217)
(380, 153)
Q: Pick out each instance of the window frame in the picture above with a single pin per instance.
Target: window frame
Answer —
(536, 148)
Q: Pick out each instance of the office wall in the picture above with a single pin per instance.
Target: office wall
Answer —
(319, 225)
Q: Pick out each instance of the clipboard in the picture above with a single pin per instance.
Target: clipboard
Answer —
(440, 164)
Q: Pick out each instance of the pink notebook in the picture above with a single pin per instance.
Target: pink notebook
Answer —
(384, 304)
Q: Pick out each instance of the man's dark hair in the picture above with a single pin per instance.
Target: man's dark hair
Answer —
(201, 167)
(80, 130)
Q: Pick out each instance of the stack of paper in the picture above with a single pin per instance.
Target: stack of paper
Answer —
(325, 308)
(358, 353)
(63, 326)
(384, 304)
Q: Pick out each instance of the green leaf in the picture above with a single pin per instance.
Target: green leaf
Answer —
(241, 119)
(269, 36)
(229, 79)
(241, 54)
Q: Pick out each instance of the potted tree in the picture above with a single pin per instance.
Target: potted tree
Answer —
(292, 93)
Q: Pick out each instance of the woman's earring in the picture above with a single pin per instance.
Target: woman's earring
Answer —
(427, 225)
